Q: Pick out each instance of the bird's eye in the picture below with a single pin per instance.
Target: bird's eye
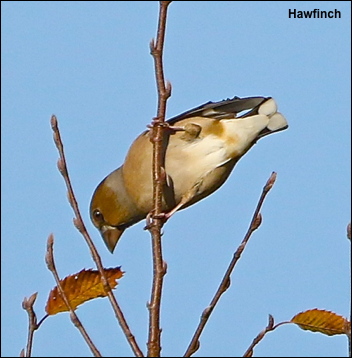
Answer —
(98, 216)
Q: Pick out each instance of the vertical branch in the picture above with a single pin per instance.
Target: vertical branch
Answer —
(27, 305)
(349, 335)
(157, 134)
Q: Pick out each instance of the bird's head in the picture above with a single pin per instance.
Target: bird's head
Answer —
(112, 210)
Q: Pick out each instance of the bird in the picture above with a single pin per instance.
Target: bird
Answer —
(201, 148)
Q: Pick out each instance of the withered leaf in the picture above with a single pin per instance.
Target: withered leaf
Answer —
(322, 321)
(81, 287)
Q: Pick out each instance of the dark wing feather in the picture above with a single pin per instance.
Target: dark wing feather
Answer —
(227, 108)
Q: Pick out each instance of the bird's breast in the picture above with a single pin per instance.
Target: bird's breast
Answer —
(197, 157)
(187, 162)
(190, 163)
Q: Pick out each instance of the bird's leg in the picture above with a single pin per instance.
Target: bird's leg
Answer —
(190, 194)
(191, 130)
(184, 200)
(165, 125)
(168, 215)
(163, 178)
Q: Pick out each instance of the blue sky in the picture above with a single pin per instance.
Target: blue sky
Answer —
(89, 64)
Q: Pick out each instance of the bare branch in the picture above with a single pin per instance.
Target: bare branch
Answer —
(78, 222)
(33, 324)
(349, 335)
(270, 327)
(225, 283)
(157, 135)
(27, 304)
(49, 259)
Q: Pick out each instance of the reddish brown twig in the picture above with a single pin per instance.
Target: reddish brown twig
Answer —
(78, 222)
(270, 327)
(225, 283)
(33, 324)
(349, 335)
(157, 134)
(49, 259)
(27, 305)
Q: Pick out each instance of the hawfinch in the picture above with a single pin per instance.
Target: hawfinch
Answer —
(202, 147)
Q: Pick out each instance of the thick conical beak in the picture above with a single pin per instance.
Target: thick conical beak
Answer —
(111, 236)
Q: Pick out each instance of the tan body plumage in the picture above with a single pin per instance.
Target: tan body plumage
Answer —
(198, 160)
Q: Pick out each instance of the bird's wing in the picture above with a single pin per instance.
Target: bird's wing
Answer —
(227, 108)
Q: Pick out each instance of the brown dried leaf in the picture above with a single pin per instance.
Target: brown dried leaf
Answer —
(81, 287)
(322, 321)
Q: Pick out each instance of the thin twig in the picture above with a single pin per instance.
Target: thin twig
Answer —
(49, 259)
(349, 335)
(27, 305)
(78, 222)
(225, 283)
(33, 324)
(270, 327)
(157, 135)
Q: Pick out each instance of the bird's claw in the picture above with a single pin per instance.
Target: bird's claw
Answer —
(151, 216)
(155, 122)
